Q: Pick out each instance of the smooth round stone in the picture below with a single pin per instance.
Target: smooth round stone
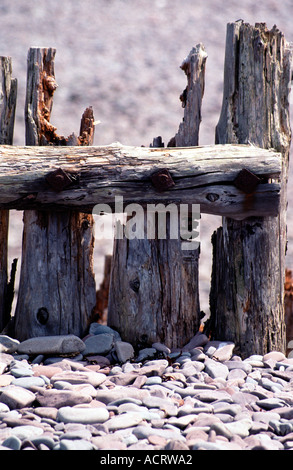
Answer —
(45, 440)
(153, 380)
(26, 432)
(161, 348)
(47, 371)
(19, 372)
(98, 344)
(62, 344)
(123, 421)
(270, 403)
(124, 351)
(17, 397)
(275, 356)
(98, 329)
(216, 369)
(60, 398)
(12, 442)
(80, 377)
(82, 415)
(29, 382)
(145, 354)
(4, 408)
(7, 344)
(77, 444)
(6, 380)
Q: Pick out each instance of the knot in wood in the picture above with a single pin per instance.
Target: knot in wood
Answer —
(135, 284)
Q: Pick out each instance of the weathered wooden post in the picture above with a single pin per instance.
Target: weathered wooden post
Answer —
(57, 286)
(247, 292)
(8, 93)
(154, 294)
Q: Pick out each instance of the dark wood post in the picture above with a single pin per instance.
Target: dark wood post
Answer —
(154, 294)
(247, 292)
(8, 93)
(57, 286)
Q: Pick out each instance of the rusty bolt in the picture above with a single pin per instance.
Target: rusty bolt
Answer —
(212, 197)
(162, 180)
(246, 181)
(58, 180)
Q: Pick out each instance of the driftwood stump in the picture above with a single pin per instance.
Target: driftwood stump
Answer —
(57, 286)
(247, 292)
(154, 293)
(8, 92)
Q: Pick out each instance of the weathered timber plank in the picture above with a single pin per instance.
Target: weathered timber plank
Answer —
(247, 293)
(57, 284)
(154, 293)
(8, 95)
(202, 175)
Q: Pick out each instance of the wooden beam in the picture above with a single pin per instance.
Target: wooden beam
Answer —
(202, 175)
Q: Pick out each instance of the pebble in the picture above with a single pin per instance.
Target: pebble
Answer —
(70, 414)
(98, 344)
(49, 345)
(201, 397)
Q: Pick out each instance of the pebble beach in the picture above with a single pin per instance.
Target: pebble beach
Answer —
(66, 393)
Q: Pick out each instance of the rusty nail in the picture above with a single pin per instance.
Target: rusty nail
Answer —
(162, 180)
(246, 181)
(58, 180)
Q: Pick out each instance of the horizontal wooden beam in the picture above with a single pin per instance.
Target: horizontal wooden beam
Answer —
(87, 176)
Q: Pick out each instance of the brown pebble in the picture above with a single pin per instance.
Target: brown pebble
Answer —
(157, 440)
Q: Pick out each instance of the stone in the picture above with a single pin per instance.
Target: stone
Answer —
(49, 345)
(161, 348)
(240, 427)
(6, 380)
(16, 397)
(268, 403)
(143, 432)
(98, 344)
(30, 383)
(8, 345)
(216, 369)
(224, 352)
(245, 366)
(47, 371)
(47, 412)
(209, 396)
(146, 353)
(82, 415)
(125, 420)
(274, 355)
(61, 398)
(80, 377)
(98, 329)
(96, 359)
(4, 408)
(77, 444)
(43, 440)
(26, 432)
(12, 442)
(199, 339)
(124, 351)
(183, 421)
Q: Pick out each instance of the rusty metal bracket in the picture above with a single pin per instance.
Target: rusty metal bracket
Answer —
(162, 180)
(58, 180)
(246, 181)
